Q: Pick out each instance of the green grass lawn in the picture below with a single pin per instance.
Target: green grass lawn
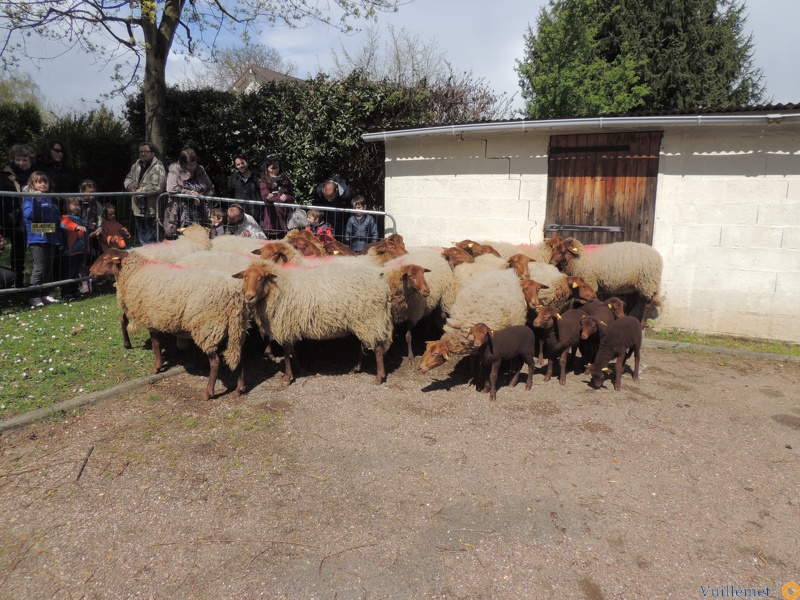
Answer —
(61, 351)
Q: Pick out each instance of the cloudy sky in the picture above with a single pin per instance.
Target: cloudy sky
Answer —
(474, 35)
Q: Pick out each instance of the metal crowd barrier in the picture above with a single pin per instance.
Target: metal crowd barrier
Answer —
(125, 216)
(210, 202)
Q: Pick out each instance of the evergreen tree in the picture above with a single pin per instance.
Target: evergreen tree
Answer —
(644, 54)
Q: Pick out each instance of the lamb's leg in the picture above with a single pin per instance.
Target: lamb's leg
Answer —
(636, 356)
(380, 377)
(213, 373)
(549, 372)
(288, 359)
(515, 378)
(155, 341)
(562, 363)
(529, 360)
(618, 372)
(126, 339)
(493, 380)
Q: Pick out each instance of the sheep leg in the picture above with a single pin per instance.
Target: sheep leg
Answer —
(515, 378)
(636, 356)
(562, 363)
(549, 372)
(240, 386)
(493, 380)
(381, 375)
(529, 360)
(619, 369)
(155, 341)
(647, 306)
(288, 359)
(126, 339)
(410, 349)
(213, 373)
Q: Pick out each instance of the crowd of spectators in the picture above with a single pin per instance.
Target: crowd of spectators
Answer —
(64, 235)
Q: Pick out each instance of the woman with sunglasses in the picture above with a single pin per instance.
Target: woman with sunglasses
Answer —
(55, 160)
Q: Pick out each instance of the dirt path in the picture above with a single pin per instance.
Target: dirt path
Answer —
(683, 483)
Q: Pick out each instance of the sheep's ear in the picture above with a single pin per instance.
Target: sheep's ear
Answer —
(544, 287)
(426, 270)
(257, 252)
(239, 275)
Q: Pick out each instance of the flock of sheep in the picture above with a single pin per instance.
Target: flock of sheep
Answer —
(498, 301)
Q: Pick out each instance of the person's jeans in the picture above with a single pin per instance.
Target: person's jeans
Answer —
(42, 264)
(145, 230)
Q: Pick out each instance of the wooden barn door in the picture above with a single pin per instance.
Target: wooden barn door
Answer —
(601, 187)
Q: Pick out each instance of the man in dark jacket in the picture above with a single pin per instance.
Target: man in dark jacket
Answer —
(243, 185)
(334, 192)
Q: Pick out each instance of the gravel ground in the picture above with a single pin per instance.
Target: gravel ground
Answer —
(681, 485)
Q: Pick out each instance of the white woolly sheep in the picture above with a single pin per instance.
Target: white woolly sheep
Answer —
(439, 276)
(618, 268)
(206, 305)
(495, 298)
(541, 252)
(236, 243)
(192, 239)
(319, 302)
(516, 343)
(622, 338)
(561, 289)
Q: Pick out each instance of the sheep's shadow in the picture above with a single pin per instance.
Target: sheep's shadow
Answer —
(461, 374)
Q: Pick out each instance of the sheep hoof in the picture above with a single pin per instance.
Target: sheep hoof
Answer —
(562, 381)
(127, 345)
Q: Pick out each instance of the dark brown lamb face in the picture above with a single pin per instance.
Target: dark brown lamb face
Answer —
(598, 376)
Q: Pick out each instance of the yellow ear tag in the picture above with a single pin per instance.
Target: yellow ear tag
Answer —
(574, 285)
(575, 249)
(447, 357)
(606, 370)
(558, 316)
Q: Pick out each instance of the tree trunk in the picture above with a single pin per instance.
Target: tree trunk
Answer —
(158, 40)
(155, 99)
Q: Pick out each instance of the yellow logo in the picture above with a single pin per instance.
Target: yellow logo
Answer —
(790, 590)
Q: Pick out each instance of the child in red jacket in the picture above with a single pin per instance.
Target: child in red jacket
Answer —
(318, 226)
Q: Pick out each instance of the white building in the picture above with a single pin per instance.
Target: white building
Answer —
(721, 202)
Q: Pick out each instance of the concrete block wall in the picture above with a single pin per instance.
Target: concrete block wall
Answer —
(727, 215)
(728, 227)
(444, 190)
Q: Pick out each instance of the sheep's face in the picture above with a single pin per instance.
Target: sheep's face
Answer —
(617, 306)
(588, 326)
(580, 289)
(531, 289)
(277, 252)
(546, 316)
(457, 256)
(519, 262)
(414, 278)
(108, 264)
(598, 375)
(480, 333)
(436, 353)
(255, 283)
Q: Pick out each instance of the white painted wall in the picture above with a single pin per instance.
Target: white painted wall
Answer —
(727, 215)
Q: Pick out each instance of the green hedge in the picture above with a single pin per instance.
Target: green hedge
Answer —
(314, 125)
